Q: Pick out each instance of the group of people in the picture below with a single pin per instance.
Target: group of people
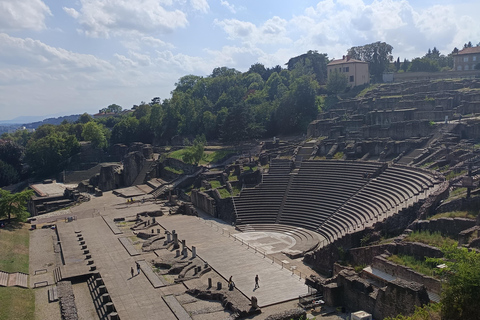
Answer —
(231, 284)
(132, 271)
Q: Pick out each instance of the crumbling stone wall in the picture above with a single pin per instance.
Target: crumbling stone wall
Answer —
(132, 165)
(447, 226)
(461, 204)
(366, 255)
(109, 178)
(204, 202)
(382, 264)
(397, 297)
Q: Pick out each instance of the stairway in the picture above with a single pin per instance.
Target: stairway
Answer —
(57, 274)
(406, 159)
(147, 165)
(285, 197)
(3, 279)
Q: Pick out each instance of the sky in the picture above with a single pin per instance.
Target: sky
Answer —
(63, 57)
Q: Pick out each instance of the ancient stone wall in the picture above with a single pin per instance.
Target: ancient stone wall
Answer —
(110, 178)
(398, 297)
(389, 267)
(461, 204)
(132, 165)
(447, 226)
(180, 165)
(398, 130)
(204, 202)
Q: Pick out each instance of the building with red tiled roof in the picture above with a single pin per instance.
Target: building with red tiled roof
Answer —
(466, 59)
(356, 71)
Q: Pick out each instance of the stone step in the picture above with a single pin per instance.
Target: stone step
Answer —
(57, 274)
(3, 279)
(18, 279)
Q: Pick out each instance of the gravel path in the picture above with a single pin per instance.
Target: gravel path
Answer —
(83, 301)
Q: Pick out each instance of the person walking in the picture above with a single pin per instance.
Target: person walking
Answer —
(131, 271)
(138, 267)
(256, 282)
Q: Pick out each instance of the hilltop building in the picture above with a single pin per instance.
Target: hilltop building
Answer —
(356, 71)
(466, 59)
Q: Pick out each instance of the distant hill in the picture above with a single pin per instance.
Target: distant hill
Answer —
(23, 119)
(55, 121)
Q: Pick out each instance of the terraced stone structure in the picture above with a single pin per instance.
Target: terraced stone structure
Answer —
(330, 197)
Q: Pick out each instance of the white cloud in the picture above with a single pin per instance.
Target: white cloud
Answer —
(71, 12)
(100, 18)
(154, 42)
(23, 14)
(271, 32)
(200, 5)
(229, 6)
(37, 55)
(335, 26)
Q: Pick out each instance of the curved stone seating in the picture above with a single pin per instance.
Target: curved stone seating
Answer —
(306, 240)
(331, 197)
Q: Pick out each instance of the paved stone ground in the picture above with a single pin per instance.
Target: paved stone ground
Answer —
(42, 256)
(231, 258)
(135, 298)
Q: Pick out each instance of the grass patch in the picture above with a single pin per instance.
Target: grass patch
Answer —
(177, 171)
(232, 178)
(215, 156)
(338, 155)
(367, 89)
(455, 214)
(208, 156)
(215, 184)
(456, 193)
(235, 191)
(248, 168)
(224, 193)
(435, 239)
(417, 265)
(178, 154)
(17, 303)
(453, 174)
(14, 242)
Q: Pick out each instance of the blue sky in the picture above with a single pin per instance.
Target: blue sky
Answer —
(74, 56)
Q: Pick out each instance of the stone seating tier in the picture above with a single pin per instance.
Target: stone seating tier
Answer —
(331, 197)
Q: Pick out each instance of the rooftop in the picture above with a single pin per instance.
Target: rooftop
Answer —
(470, 50)
(345, 59)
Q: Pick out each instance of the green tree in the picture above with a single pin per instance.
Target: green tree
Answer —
(310, 63)
(126, 131)
(405, 64)
(94, 132)
(377, 54)
(49, 154)
(423, 64)
(114, 108)
(337, 82)
(14, 204)
(85, 118)
(194, 153)
(461, 291)
(10, 153)
(8, 174)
